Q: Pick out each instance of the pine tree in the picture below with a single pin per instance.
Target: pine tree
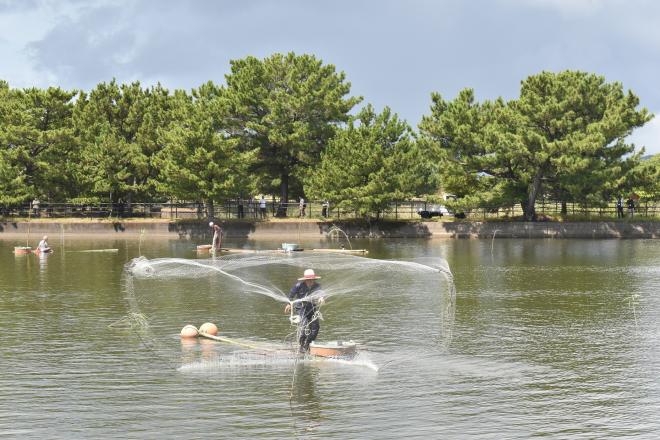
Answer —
(200, 161)
(287, 107)
(369, 164)
(565, 136)
(37, 143)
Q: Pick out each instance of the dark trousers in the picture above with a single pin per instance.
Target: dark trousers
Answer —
(309, 330)
(619, 211)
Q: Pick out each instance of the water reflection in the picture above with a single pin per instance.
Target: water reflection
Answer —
(305, 403)
(43, 260)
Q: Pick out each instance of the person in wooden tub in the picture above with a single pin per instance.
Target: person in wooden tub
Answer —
(43, 247)
(306, 310)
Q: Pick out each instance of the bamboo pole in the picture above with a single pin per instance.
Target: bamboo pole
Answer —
(96, 250)
(234, 342)
(27, 239)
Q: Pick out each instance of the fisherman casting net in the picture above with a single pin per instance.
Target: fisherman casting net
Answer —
(374, 302)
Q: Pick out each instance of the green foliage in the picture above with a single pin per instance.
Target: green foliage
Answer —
(119, 125)
(200, 161)
(287, 107)
(370, 163)
(564, 136)
(647, 179)
(37, 143)
(282, 124)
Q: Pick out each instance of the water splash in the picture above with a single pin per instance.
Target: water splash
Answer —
(238, 361)
(335, 231)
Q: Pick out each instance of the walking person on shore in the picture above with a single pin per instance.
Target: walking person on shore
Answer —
(241, 213)
(262, 207)
(619, 207)
(631, 207)
(35, 207)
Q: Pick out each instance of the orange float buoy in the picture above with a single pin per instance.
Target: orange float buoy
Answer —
(189, 331)
(209, 328)
(188, 343)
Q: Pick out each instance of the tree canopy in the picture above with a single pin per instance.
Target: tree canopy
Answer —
(370, 163)
(287, 107)
(564, 135)
(118, 126)
(285, 125)
(36, 143)
(200, 161)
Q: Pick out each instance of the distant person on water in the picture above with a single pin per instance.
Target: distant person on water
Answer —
(43, 244)
(305, 311)
(217, 236)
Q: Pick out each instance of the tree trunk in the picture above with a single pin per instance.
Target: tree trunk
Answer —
(129, 198)
(129, 204)
(210, 209)
(284, 195)
(528, 206)
(564, 208)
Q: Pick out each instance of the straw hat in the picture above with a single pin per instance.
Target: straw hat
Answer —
(309, 275)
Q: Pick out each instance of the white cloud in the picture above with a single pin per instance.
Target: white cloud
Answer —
(394, 52)
(648, 136)
(570, 8)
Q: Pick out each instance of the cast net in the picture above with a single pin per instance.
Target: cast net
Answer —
(381, 304)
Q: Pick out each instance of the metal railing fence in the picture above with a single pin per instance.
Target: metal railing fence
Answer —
(251, 210)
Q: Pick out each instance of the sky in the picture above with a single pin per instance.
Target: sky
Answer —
(394, 52)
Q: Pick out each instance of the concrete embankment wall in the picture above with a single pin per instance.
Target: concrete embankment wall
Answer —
(255, 230)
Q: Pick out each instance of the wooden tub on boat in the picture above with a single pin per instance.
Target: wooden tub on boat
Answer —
(21, 250)
(333, 349)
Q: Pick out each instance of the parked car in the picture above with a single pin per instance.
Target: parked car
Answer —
(433, 211)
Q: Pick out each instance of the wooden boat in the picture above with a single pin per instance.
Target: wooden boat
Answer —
(344, 350)
(22, 250)
(209, 248)
(333, 349)
(343, 251)
(97, 250)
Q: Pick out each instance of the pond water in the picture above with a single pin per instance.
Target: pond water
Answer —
(551, 338)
